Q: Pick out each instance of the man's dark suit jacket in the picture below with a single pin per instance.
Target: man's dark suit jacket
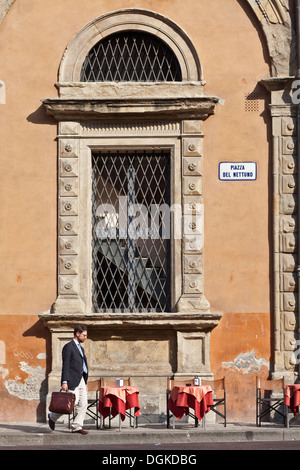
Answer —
(72, 369)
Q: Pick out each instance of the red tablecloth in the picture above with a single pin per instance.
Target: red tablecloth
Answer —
(116, 400)
(199, 398)
(292, 397)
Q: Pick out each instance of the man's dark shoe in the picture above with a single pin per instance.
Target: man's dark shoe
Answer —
(51, 423)
(81, 431)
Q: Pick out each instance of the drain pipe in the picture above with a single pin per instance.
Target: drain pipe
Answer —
(297, 13)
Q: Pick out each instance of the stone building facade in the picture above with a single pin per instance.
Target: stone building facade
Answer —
(216, 296)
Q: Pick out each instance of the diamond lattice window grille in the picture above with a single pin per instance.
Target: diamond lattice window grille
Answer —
(131, 56)
(131, 268)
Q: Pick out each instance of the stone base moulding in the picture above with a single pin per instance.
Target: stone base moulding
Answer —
(149, 348)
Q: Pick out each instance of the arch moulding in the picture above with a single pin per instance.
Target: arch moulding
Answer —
(83, 100)
(130, 19)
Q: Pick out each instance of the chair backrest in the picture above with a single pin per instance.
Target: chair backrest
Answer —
(186, 382)
(94, 385)
(216, 384)
(112, 383)
(265, 384)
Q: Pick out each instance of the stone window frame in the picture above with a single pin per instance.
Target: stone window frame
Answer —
(75, 254)
(87, 110)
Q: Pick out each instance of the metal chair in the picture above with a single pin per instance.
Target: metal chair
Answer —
(219, 395)
(267, 402)
(94, 386)
(92, 408)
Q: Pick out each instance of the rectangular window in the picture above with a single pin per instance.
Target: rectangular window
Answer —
(131, 231)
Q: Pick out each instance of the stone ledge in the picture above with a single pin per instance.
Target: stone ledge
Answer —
(141, 90)
(174, 321)
(175, 108)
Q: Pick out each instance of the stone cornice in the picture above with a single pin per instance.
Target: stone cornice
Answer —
(175, 321)
(82, 101)
(85, 109)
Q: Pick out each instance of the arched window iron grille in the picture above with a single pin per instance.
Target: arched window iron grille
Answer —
(131, 56)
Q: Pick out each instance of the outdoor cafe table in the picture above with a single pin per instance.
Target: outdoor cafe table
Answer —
(292, 397)
(116, 400)
(199, 398)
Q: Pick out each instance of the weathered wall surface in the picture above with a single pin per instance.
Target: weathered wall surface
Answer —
(238, 219)
(23, 370)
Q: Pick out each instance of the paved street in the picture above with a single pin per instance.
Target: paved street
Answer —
(149, 442)
(173, 448)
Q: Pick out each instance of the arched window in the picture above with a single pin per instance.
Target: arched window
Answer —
(131, 56)
(131, 108)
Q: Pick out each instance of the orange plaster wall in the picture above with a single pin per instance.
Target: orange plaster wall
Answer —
(240, 352)
(24, 355)
(237, 215)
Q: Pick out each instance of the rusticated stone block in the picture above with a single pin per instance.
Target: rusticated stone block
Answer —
(192, 284)
(68, 206)
(193, 264)
(289, 321)
(68, 167)
(288, 184)
(288, 224)
(192, 166)
(68, 245)
(68, 187)
(68, 285)
(192, 147)
(288, 164)
(288, 244)
(68, 148)
(68, 225)
(68, 264)
(289, 145)
(289, 282)
(289, 301)
(287, 204)
(192, 185)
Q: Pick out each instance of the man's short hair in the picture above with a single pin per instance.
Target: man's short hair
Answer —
(80, 329)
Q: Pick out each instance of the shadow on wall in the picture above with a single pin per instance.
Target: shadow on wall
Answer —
(40, 116)
(38, 330)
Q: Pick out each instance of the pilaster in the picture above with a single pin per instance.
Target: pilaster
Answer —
(285, 225)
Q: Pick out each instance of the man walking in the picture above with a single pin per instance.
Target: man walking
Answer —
(74, 378)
